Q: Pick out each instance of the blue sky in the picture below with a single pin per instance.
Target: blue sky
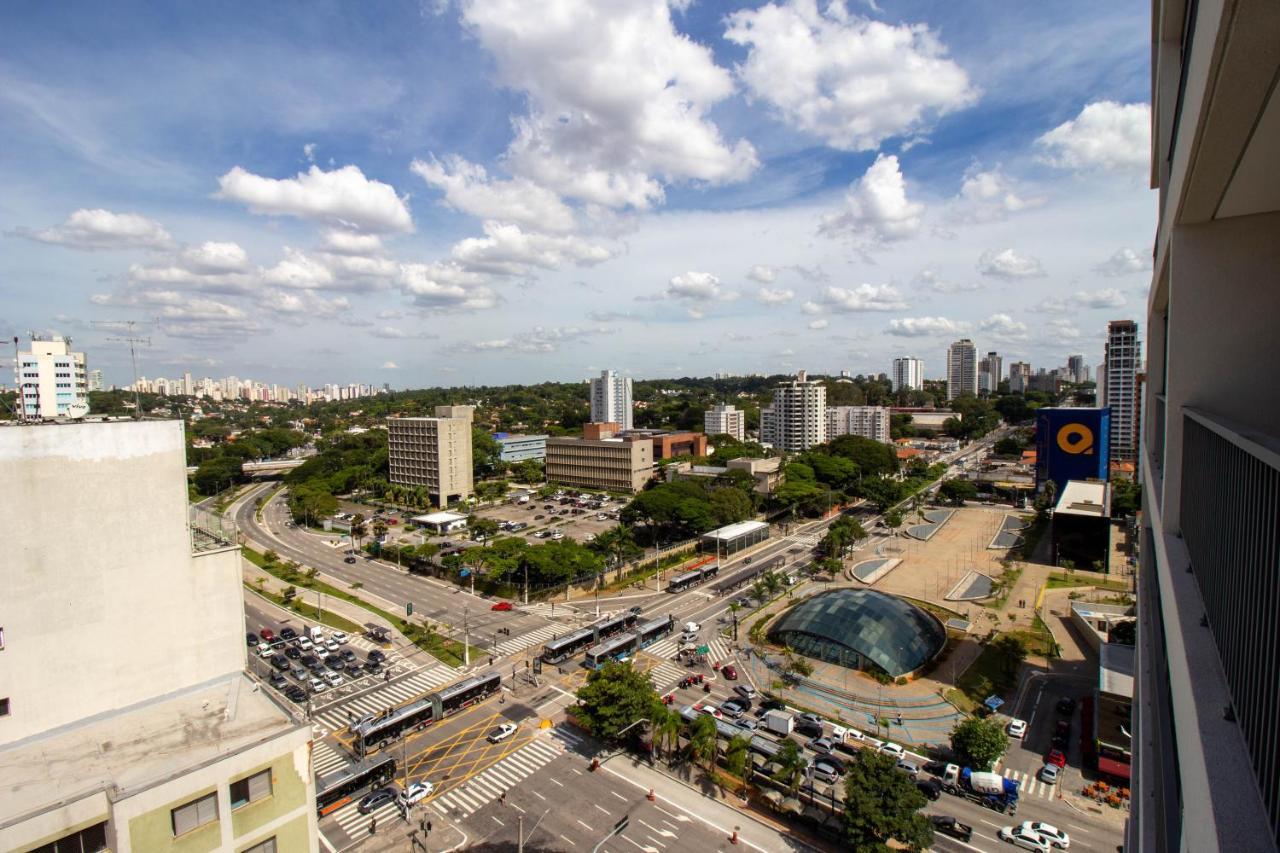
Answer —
(470, 193)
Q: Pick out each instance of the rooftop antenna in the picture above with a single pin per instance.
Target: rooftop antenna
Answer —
(132, 340)
(19, 401)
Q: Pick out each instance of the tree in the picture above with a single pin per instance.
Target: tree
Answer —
(482, 527)
(882, 804)
(357, 529)
(666, 729)
(702, 741)
(1007, 446)
(791, 766)
(979, 742)
(737, 756)
(893, 520)
(1123, 633)
(1126, 497)
(527, 471)
(616, 545)
(956, 491)
(379, 529)
(485, 451)
(614, 697)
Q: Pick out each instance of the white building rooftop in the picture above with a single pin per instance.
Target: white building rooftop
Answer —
(1085, 497)
(732, 531)
(1115, 670)
(439, 518)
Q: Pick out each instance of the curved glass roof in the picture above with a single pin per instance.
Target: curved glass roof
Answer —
(888, 631)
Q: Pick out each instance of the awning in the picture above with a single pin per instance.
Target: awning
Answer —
(1112, 767)
(993, 703)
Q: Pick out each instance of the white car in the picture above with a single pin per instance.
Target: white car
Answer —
(502, 732)
(265, 650)
(1016, 728)
(338, 637)
(1022, 837)
(838, 733)
(712, 710)
(333, 678)
(304, 643)
(1048, 832)
(557, 536)
(893, 749)
(692, 627)
(318, 686)
(1049, 774)
(852, 734)
(332, 646)
(415, 792)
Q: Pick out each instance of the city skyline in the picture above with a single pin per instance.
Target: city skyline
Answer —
(525, 223)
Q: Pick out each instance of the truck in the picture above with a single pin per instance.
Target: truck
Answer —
(988, 789)
(779, 722)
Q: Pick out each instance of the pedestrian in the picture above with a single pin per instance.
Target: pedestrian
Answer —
(502, 798)
(373, 825)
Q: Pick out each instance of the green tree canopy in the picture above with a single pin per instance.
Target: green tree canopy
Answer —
(956, 491)
(614, 697)
(882, 804)
(979, 742)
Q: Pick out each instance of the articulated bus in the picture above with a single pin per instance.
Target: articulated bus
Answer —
(651, 632)
(701, 571)
(618, 647)
(560, 650)
(351, 782)
(417, 715)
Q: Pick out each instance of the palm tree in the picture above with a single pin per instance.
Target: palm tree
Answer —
(702, 740)
(357, 530)
(666, 729)
(791, 766)
(379, 529)
(736, 756)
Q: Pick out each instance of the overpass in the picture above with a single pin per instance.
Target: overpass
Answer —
(264, 468)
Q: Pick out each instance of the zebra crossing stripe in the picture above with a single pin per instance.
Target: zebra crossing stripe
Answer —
(499, 778)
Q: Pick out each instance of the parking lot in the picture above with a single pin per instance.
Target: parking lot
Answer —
(574, 518)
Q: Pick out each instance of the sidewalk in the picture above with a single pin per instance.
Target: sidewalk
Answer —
(411, 835)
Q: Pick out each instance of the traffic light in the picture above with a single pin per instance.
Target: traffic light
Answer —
(408, 608)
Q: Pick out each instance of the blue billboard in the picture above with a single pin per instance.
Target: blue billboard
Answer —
(1072, 444)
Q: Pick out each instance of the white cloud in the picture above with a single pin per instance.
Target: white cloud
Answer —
(864, 297)
(301, 304)
(309, 151)
(819, 324)
(1106, 135)
(539, 340)
(399, 334)
(701, 286)
(618, 98)
(390, 365)
(1004, 328)
(1106, 298)
(350, 243)
(762, 274)
(101, 229)
(445, 287)
(506, 249)
(990, 196)
(1124, 262)
(919, 327)
(299, 270)
(1008, 264)
(1053, 305)
(877, 206)
(469, 189)
(774, 297)
(342, 197)
(929, 278)
(850, 81)
(1061, 329)
(211, 267)
(180, 315)
(212, 258)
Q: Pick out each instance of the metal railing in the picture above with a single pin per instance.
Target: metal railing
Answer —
(210, 530)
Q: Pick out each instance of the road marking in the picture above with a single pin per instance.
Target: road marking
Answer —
(566, 838)
(603, 809)
(583, 824)
(495, 820)
(619, 796)
(561, 784)
(517, 808)
(656, 841)
(989, 823)
(1075, 828)
(326, 843)
(539, 796)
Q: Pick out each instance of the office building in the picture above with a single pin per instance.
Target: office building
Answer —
(962, 369)
(1081, 534)
(517, 448)
(433, 452)
(797, 420)
(1206, 726)
(908, 373)
(989, 373)
(725, 419)
(1019, 377)
(1077, 370)
(668, 445)
(1123, 359)
(51, 379)
(867, 421)
(611, 399)
(129, 722)
(621, 464)
(1072, 444)
(95, 380)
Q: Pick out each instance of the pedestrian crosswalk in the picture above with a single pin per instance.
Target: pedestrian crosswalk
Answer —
(336, 717)
(548, 609)
(355, 824)
(664, 675)
(325, 759)
(1030, 786)
(494, 782)
(534, 638)
(666, 649)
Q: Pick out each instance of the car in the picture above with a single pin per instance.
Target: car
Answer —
(504, 606)
(349, 560)
(308, 660)
(318, 686)
(747, 561)
(808, 728)
(502, 732)
(1066, 706)
(711, 710)
(376, 800)
(415, 792)
(377, 654)
(294, 693)
(746, 691)
(299, 673)
(288, 634)
(749, 724)
(339, 637)
(267, 635)
(265, 651)
(893, 749)
(348, 656)
(372, 666)
(331, 645)
(637, 610)
(931, 788)
(824, 772)
(907, 767)
(730, 672)
(280, 663)
(1024, 838)
(948, 825)
(557, 536)
(539, 517)
(1056, 837)
(852, 735)
(251, 639)
(1016, 728)
(1049, 774)
(277, 679)
(692, 627)
(821, 744)
(335, 663)
(771, 703)
(304, 643)
(333, 678)
(1055, 756)
(744, 602)
(733, 708)
(293, 652)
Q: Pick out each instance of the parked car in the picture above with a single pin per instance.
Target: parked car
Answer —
(1057, 757)
(415, 792)
(348, 656)
(318, 686)
(1049, 774)
(746, 691)
(267, 635)
(280, 663)
(294, 693)
(288, 634)
(1056, 837)
(265, 651)
(299, 672)
(251, 639)
(292, 652)
(1024, 838)
(372, 666)
(339, 637)
(502, 732)
(276, 679)
(503, 606)
(376, 800)
(333, 678)
(331, 645)
(893, 749)
(304, 643)
(377, 654)
(1016, 728)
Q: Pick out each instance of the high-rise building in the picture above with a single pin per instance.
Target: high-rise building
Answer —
(725, 419)
(51, 380)
(989, 373)
(110, 738)
(611, 399)
(908, 372)
(1206, 712)
(433, 452)
(1019, 376)
(797, 420)
(95, 380)
(1123, 359)
(962, 369)
(867, 421)
(1077, 371)
(622, 464)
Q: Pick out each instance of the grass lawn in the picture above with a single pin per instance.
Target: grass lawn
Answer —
(1061, 580)
(1038, 639)
(310, 611)
(988, 674)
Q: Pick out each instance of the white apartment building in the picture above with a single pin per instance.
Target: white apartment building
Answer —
(797, 420)
(725, 419)
(989, 373)
(908, 372)
(1123, 360)
(51, 379)
(962, 369)
(1077, 370)
(611, 399)
(867, 421)
(434, 453)
(95, 380)
(129, 722)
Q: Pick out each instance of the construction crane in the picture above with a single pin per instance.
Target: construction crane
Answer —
(133, 341)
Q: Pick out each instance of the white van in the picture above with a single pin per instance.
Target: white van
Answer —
(524, 499)
(316, 633)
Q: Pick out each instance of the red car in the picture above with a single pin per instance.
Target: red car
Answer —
(1056, 757)
(502, 605)
(729, 672)
(267, 635)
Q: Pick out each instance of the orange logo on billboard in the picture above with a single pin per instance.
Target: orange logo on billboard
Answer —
(1075, 439)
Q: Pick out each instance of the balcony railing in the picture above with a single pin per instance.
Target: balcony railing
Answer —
(210, 530)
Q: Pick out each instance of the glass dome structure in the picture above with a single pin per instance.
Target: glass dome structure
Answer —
(858, 628)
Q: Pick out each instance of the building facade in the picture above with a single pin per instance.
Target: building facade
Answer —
(1206, 712)
(797, 420)
(613, 464)
(1019, 376)
(518, 448)
(962, 369)
(1077, 370)
(725, 419)
(671, 444)
(1123, 358)
(51, 379)
(434, 453)
(867, 421)
(200, 757)
(611, 399)
(989, 373)
(908, 373)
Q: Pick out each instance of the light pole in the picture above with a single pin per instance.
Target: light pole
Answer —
(466, 637)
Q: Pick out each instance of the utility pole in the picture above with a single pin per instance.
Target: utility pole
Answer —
(520, 834)
(466, 637)
(526, 583)
(132, 341)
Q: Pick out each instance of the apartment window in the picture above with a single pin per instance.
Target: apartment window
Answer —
(251, 789)
(268, 846)
(195, 814)
(89, 840)
(4, 707)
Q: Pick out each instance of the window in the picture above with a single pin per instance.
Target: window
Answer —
(4, 707)
(195, 814)
(89, 840)
(251, 789)
(268, 846)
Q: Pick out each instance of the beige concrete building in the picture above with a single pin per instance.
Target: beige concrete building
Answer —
(797, 420)
(616, 464)
(725, 419)
(128, 721)
(51, 379)
(867, 421)
(434, 453)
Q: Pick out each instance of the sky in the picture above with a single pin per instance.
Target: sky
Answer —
(491, 191)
